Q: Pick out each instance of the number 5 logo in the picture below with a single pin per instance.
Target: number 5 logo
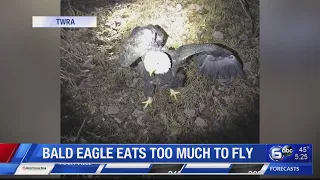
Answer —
(275, 153)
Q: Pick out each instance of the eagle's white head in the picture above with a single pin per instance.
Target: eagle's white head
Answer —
(156, 62)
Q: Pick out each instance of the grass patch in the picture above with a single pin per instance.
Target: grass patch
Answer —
(92, 81)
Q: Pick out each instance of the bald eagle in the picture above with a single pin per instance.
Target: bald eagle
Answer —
(159, 65)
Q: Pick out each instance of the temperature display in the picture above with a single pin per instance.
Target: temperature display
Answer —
(302, 154)
(304, 149)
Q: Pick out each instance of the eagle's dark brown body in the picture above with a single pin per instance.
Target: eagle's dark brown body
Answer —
(213, 60)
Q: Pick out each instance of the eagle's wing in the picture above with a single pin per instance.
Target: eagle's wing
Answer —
(140, 41)
(213, 60)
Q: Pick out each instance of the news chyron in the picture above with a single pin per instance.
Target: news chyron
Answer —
(156, 159)
(64, 21)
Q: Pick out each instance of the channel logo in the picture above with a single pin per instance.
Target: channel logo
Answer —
(277, 153)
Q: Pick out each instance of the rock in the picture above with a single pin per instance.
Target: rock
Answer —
(222, 81)
(174, 132)
(201, 107)
(209, 94)
(83, 141)
(86, 83)
(235, 113)
(122, 97)
(221, 88)
(179, 7)
(200, 122)
(255, 41)
(218, 35)
(119, 100)
(125, 125)
(93, 110)
(215, 92)
(131, 100)
(73, 139)
(246, 43)
(112, 110)
(163, 116)
(190, 113)
(85, 71)
(157, 129)
(156, 132)
(205, 11)
(122, 94)
(125, 16)
(243, 37)
(88, 63)
(137, 113)
(194, 7)
(134, 82)
(247, 65)
(224, 112)
(102, 108)
(119, 21)
(216, 126)
(200, 34)
(117, 120)
(140, 121)
(145, 132)
(89, 121)
(147, 117)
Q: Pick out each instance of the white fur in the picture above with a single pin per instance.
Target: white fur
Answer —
(158, 61)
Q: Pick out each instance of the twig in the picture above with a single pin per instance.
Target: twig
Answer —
(65, 60)
(79, 132)
(62, 76)
(246, 8)
(74, 11)
(256, 33)
(77, 67)
(71, 53)
(99, 84)
(63, 30)
(257, 5)
(70, 7)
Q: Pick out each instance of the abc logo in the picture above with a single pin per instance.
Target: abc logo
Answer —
(277, 153)
(287, 150)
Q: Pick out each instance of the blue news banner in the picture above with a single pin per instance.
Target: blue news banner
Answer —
(236, 159)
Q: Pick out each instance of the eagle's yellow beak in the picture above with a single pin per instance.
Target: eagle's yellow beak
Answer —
(151, 72)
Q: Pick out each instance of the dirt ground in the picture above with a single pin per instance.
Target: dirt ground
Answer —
(101, 102)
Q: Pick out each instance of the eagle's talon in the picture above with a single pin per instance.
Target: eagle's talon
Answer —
(174, 93)
(147, 102)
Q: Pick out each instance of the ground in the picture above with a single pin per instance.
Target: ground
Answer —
(101, 102)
